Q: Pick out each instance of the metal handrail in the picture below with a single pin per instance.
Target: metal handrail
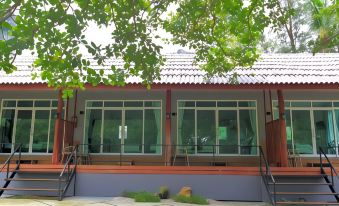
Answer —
(212, 150)
(267, 173)
(9, 159)
(333, 170)
(70, 172)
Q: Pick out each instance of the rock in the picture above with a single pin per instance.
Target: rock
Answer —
(186, 191)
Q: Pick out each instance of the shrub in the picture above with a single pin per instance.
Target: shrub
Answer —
(194, 199)
(129, 194)
(163, 192)
(146, 197)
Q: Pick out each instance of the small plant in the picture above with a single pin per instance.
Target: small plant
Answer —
(194, 199)
(163, 192)
(146, 197)
(129, 194)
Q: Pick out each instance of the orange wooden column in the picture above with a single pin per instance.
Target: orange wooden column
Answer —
(282, 140)
(168, 150)
(57, 128)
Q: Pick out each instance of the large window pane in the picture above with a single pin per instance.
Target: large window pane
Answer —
(206, 125)
(23, 128)
(248, 132)
(324, 133)
(152, 131)
(112, 134)
(228, 132)
(40, 136)
(93, 129)
(133, 131)
(51, 131)
(7, 123)
(302, 134)
(186, 131)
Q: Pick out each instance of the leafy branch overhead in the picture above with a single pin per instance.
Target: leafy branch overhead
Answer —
(223, 33)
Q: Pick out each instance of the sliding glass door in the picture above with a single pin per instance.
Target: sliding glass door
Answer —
(131, 127)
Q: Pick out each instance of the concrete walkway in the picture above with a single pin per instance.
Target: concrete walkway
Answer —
(108, 201)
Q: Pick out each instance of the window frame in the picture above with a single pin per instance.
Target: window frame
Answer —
(311, 109)
(32, 108)
(216, 109)
(123, 108)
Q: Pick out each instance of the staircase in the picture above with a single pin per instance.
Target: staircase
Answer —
(46, 180)
(311, 188)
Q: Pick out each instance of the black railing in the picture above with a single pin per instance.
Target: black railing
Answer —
(68, 172)
(267, 176)
(122, 152)
(332, 169)
(9, 159)
(7, 166)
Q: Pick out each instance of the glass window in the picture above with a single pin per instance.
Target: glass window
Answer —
(152, 132)
(51, 131)
(324, 133)
(186, 104)
(248, 132)
(227, 104)
(302, 133)
(25, 103)
(23, 126)
(42, 104)
(7, 124)
(94, 104)
(124, 130)
(206, 136)
(152, 104)
(218, 130)
(55, 103)
(93, 129)
(133, 130)
(133, 104)
(113, 104)
(300, 104)
(112, 131)
(40, 135)
(322, 104)
(228, 132)
(186, 131)
(9, 103)
(206, 103)
(247, 104)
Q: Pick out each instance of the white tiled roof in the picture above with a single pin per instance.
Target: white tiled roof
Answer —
(179, 69)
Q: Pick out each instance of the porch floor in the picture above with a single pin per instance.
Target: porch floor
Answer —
(208, 170)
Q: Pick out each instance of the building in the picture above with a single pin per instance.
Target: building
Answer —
(212, 127)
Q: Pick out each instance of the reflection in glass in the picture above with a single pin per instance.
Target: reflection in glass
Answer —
(302, 134)
(40, 136)
(93, 129)
(324, 133)
(112, 121)
(248, 132)
(133, 131)
(51, 131)
(206, 136)
(7, 123)
(152, 131)
(23, 128)
(228, 132)
(186, 131)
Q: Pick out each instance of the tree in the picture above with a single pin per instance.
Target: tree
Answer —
(290, 32)
(326, 22)
(302, 26)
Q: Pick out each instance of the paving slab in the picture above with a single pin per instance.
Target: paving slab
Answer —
(108, 201)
